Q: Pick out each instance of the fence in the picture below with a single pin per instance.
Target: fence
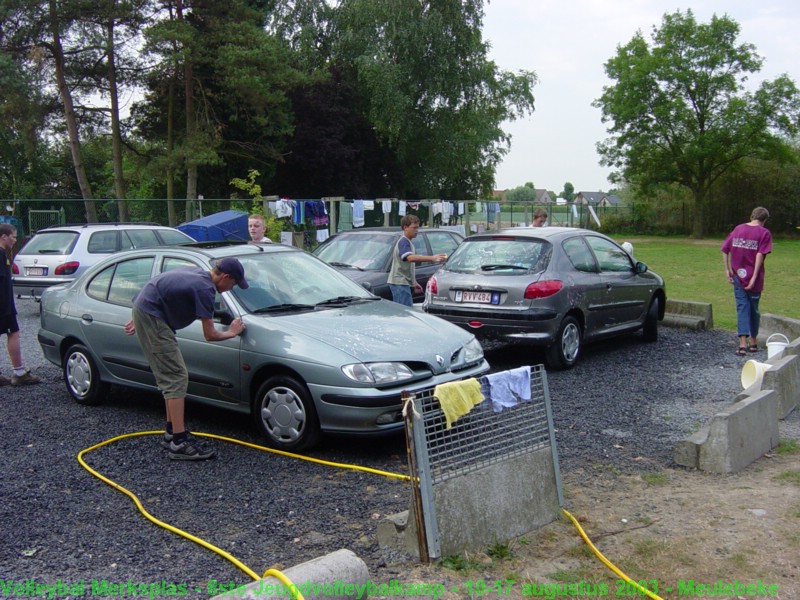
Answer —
(490, 477)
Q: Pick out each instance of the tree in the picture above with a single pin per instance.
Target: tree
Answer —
(428, 88)
(680, 110)
(569, 192)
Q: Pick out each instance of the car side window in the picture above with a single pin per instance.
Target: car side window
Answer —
(419, 245)
(103, 242)
(442, 243)
(610, 257)
(120, 282)
(579, 255)
(172, 262)
(141, 238)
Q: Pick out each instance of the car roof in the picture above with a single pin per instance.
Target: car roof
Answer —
(547, 233)
(388, 230)
(74, 226)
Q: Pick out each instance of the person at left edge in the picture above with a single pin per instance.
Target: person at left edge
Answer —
(172, 301)
(8, 313)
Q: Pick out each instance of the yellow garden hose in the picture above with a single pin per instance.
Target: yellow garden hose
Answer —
(605, 561)
(269, 572)
(274, 572)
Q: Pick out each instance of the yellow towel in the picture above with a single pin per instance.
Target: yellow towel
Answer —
(457, 398)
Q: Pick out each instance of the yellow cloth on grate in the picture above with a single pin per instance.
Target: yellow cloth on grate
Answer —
(457, 398)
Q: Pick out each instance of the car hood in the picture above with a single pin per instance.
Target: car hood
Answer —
(375, 330)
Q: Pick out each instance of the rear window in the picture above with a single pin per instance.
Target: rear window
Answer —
(504, 256)
(52, 242)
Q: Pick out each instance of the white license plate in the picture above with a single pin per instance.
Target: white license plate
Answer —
(36, 271)
(477, 297)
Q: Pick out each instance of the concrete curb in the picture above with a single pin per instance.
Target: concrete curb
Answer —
(748, 428)
(686, 314)
(333, 576)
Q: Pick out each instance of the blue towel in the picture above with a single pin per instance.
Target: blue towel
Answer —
(507, 388)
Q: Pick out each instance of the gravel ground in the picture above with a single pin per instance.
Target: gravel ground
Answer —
(623, 407)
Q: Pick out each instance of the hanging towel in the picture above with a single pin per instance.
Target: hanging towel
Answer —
(507, 388)
(401, 208)
(358, 213)
(345, 216)
(457, 398)
(387, 206)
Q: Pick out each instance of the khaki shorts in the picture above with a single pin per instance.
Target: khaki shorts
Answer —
(161, 349)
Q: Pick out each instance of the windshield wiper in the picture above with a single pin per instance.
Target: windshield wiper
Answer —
(343, 300)
(283, 307)
(345, 265)
(498, 267)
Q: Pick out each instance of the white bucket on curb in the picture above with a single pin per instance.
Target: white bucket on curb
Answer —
(775, 344)
(753, 372)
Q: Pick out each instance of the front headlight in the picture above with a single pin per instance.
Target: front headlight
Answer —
(379, 372)
(473, 351)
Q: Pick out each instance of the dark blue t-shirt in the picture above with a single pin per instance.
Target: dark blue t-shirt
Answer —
(178, 297)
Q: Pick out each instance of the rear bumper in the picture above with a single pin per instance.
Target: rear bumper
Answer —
(539, 327)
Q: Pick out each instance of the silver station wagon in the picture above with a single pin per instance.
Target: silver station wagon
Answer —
(319, 352)
(553, 287)
(59, 254)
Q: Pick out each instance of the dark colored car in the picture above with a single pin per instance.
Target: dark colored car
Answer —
(554, 287)
(365, 254)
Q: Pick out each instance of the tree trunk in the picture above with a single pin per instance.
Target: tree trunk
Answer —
(191, 167)
(69, 116)
(699, 213)
(116, 136)
(172, 216)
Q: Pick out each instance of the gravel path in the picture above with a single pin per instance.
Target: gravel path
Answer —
(623, 407)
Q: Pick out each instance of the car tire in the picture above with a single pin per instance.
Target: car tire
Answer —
(650, 328)
(284, 413)
(564, 352)
(82, 376)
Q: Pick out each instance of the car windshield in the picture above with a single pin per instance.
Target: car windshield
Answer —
(51, 242)
(364, 251)
(501, 255)
(291, 281)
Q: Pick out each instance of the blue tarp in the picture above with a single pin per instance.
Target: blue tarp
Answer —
(225, 225)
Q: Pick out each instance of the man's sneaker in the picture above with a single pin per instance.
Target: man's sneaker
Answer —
(27, 378)
(4, 380)
(166, 440)
(190, 449)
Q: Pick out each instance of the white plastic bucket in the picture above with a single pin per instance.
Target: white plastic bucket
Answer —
(775, 346)
(753, 372)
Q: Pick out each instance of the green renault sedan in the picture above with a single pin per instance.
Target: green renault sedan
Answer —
(319, 353)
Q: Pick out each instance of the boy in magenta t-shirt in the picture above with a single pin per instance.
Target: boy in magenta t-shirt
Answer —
(743, 254)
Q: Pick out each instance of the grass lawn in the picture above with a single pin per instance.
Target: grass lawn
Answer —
(693, 270)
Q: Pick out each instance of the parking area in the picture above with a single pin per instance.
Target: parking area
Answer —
(622, 407)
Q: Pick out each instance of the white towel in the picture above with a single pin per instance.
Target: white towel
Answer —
(358, 213)
(507, 388)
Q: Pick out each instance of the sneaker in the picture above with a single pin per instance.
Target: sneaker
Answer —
(27, 378)
(166, 440)
(191, 449)
(4, 380)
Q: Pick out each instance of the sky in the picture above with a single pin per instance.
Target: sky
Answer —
(567, 43)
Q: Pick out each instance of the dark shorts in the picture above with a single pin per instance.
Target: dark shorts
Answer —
(161, 349)
(8, 324)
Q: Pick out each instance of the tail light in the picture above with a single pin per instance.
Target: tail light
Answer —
(432, 287)
(14, 269)
(67, 268)
(543, 289)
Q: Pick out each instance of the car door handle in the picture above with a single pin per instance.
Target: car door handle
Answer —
(87, 317)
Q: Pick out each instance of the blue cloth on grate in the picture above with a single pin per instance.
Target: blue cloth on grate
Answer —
(507, 388)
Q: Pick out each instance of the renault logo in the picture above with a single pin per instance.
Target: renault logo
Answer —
(440, 360)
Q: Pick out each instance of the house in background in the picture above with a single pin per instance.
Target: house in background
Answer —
(598, 199)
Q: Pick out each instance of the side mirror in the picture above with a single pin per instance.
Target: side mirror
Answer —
(223, 317)
(640, 267)
(366, 285)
